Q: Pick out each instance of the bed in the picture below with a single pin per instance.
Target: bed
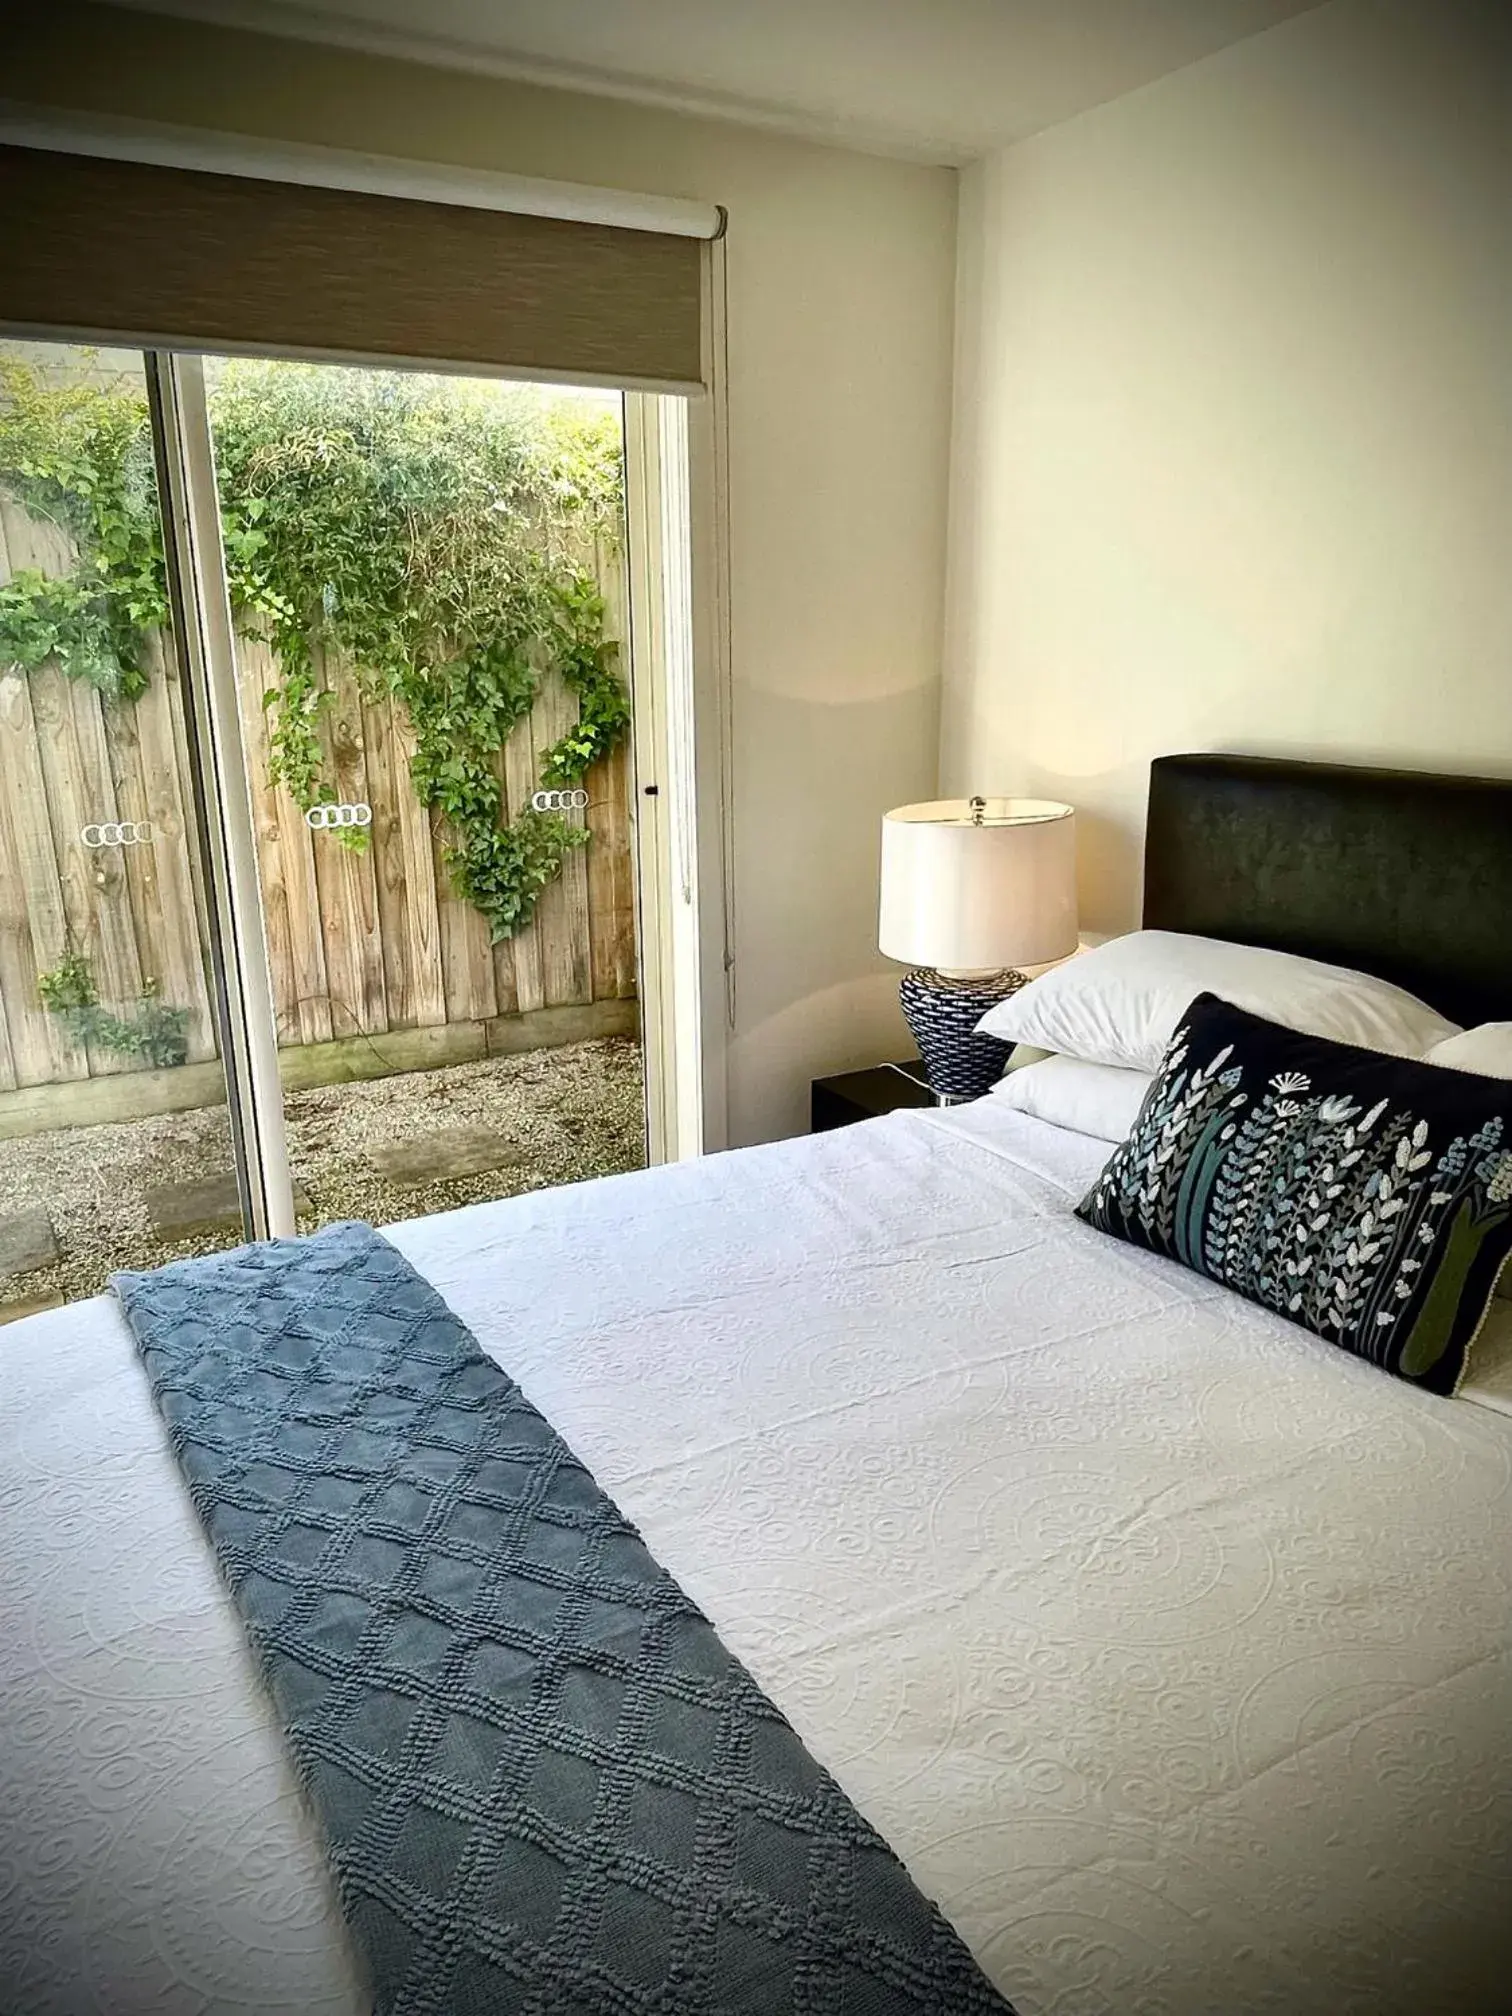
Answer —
(1169, 1648)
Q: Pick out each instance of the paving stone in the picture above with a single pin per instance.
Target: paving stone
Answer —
(30, 1305)
(27, 1242)
(434, 1158)
(202, 1205)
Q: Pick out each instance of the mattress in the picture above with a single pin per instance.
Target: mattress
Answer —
(1170, 1647)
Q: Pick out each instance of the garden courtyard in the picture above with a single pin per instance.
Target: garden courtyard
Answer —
(78, 1203)
(427, 580)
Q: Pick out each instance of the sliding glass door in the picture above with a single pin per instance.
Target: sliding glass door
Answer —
(116, 1147)
(426, 581)
(339, 848)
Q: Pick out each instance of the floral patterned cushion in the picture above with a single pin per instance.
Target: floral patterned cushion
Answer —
(1366, 1197)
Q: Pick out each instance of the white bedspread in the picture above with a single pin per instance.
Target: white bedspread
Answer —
(1171, 1648)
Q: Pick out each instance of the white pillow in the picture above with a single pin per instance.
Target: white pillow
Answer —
(1120, 1003)
(1095, 1099)
(1486, 1049)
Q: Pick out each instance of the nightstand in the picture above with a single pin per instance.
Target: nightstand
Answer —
(865, 1095)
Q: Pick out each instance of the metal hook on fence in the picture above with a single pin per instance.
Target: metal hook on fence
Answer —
(117, 833)
(320, 818)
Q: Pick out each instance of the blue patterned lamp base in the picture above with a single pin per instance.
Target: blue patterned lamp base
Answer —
(942, 1014)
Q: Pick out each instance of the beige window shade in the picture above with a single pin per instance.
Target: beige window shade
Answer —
(180, 258)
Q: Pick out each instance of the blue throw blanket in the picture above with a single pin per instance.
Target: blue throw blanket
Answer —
(545, 1785)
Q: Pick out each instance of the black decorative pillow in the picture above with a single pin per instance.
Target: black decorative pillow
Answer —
(1366, 1197)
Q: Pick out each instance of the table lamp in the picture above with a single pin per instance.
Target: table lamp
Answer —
(972, 889)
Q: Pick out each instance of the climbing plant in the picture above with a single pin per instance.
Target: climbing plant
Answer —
(155, 1031)
(423, 530)
(81, 455)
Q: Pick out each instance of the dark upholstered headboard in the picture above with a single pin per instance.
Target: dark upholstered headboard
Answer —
(1400, 873)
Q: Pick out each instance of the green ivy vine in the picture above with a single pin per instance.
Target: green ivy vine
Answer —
(423, 530)
(81, 455)
(155, 1031)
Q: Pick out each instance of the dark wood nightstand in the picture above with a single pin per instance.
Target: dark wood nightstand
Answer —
(865, 1095)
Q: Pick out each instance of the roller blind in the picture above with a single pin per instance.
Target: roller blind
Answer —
(178, 257)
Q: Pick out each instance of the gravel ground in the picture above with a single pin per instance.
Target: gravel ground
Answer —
(567, 1114)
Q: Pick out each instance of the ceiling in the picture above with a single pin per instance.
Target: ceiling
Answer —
(935, 80)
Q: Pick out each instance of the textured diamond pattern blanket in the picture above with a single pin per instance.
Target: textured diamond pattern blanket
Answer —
(545, 1785)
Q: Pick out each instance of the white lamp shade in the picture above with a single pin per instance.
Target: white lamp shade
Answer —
(965, 893)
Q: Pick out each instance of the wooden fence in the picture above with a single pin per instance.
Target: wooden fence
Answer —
(361, 945)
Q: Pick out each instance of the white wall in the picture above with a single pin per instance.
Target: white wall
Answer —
(841, 276)
(1233, 457)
